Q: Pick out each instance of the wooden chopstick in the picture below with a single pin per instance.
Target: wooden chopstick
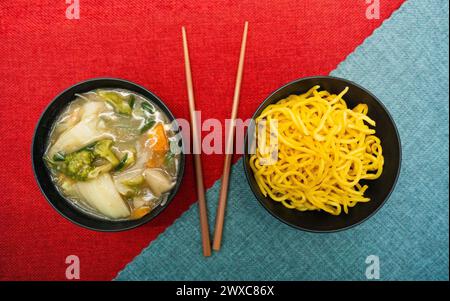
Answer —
(196, 146)
(218, 230)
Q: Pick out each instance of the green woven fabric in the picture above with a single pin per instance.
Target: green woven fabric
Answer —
(404, 63)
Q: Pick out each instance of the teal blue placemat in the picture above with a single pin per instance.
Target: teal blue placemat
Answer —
(404, 63)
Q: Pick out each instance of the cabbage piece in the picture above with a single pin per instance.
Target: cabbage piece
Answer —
(83, 133)
(142, 156)
(101, 194)
(99, 170)
(69, 121)
(122, 180)
(92, 109)
(124, 176)
(158, 181)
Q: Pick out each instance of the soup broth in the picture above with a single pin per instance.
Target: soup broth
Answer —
(113, 154)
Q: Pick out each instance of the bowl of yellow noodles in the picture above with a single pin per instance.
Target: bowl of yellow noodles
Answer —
(322, 154)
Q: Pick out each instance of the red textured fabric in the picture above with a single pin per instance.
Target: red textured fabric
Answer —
(42, 53)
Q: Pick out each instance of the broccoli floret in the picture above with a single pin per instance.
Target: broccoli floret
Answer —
(121, 104)
(78, 165)
(103, 149)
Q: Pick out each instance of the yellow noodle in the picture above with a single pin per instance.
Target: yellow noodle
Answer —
(324, 150)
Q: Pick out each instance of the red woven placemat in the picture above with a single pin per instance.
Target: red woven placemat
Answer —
(42, 53)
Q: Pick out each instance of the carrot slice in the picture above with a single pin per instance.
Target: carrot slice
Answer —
(140, 212)
(159, 146)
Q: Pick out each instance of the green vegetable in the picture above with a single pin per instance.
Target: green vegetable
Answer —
(169, 157)
(127, 160)
(103, 149)
(59, 156)
(131, 101)
(90, 147)
(119, 102)
(136, 181)
(148, 107)
(148, 125)
(122, 162)
(131, 159)
(79, 165)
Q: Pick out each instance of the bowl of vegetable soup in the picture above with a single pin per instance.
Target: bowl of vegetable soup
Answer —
(108, 154)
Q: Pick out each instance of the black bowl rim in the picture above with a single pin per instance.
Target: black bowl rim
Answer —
(138, 222)
(249, 174)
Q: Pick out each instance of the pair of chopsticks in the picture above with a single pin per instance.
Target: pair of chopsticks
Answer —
(228, 153)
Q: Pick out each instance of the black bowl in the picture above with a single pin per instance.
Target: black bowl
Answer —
(379, 189)
(42, 175)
